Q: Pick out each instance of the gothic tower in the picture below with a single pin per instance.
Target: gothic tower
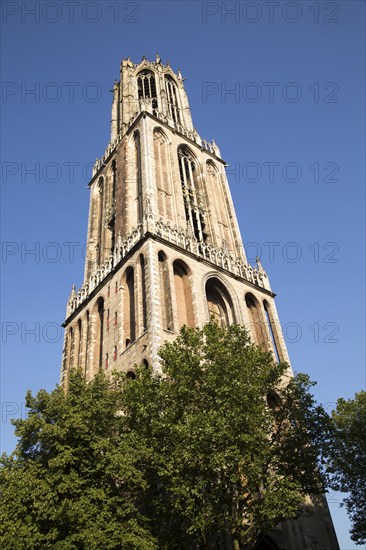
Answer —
(164, 249)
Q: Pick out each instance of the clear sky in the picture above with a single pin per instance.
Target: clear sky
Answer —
(278, 85)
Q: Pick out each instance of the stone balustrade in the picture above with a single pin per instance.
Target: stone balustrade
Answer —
(182, 238)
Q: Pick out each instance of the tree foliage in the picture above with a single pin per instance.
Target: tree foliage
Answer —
(73, 481)
(348, 460)
(221, 445)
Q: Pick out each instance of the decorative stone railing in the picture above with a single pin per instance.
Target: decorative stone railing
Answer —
(183, 238)
(99, 273)
(220, 257)
(193, 135)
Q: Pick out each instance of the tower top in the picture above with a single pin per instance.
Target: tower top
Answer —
(156, 65)
(153, 88)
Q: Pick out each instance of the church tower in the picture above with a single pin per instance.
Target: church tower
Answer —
(164, 249)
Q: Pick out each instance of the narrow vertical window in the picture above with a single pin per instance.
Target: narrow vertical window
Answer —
(72, 347)
(100, 330)
(97, 335)
(87, 342)
(147, 88)
(112, 221)
(143, 292)
(79, 341)
(219, 206)
(172, 96)
(183, 295)
(162, 174)
(272, 330)
(193, 200)
(138, 176)
(165, 292)
(255, 320)
(129, 307)
(99, 243)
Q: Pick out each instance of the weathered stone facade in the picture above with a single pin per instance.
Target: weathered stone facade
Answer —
(164, 249)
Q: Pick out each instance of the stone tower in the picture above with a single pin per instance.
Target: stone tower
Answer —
(164, 249)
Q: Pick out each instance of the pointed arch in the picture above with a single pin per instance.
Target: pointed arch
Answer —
(165, 292)
(137, 176)
(219, 302)
(72, 347)
(273, 331)
(183, 294)
(143, 292)
(193, 195)
(173, 99)
(86, 341)
(256, 321)
(220, 213)
(163, 174)
(146, 87)
(129, 312)
(79, 342)
(96, 223)
(97, 335)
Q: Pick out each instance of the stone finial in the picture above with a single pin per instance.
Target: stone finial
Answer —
(190, 233)
(148, 210)
(158, 58)
(179, 75)
(72, 293)
(260, 267)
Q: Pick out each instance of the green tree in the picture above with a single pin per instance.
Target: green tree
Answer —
(74, 480)
(348, 460)
(235, 442)
(221, 445)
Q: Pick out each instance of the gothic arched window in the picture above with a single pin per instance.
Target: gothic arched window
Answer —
(193, 200)
(147, 88)
(220, 305)
(272, 330)
(172, 96)
(165, 292)
(98, 212)
(183, 295)
(256, 321)
(97, 334)
(137, 175)
(79, 341)
(218, 205)
(162, 174)
(129, 307)
(87, 341)
(143, 292)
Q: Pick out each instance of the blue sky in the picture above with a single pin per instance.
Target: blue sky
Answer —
(279, 87)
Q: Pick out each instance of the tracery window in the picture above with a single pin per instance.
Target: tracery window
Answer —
(147, 88)
(172, 96)
(193, 200)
